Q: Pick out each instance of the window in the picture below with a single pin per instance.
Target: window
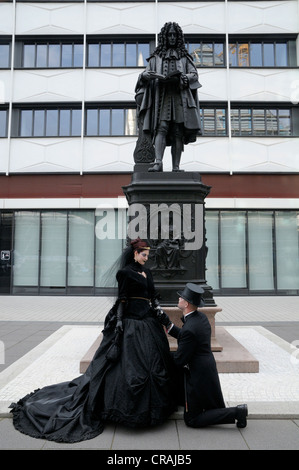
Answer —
(213, 120)
(206, 53)
(58, 54)
(110, 121)
(3, 122)
(272, 121)
(262, 53)
(49, 122)
(4, 55)
(117, 54)
(66, 251)
(253, 251)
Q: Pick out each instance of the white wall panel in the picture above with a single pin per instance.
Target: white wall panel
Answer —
(214, 84)
(263, 17)
(45, 155)
(6, 18)
(263, 84)
(5, 86)
(50, 18)
(121, 18)
(265, 154)
(3, 155)
(198, 18)
(206, 154)
(114, 154)
(47, 85)
(111, 84)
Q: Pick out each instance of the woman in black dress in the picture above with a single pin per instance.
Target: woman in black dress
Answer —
(129, 380)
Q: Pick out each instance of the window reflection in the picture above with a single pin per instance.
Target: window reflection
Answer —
(206, 54)
(269, 55)
(50, 122)
(259, 54)
(52, 55)
(256, 55)
(260, 122)
(112, 121)
(3, 122)
(236, 261)
(213, 121)
(281, 55)
(41, 55)
(117, 54)
(4, 55)
(26, 123)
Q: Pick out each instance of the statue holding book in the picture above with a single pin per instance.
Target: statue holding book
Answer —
(166, 97)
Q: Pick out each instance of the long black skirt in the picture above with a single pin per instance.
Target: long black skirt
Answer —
(135, 390)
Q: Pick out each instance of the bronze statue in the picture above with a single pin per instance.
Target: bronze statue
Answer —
(166, 97)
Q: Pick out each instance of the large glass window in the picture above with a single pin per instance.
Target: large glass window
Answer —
(52, 54)
(117, 54)
(26, 248)
(257, 121)
(262, 53)
(253, 251)
(260, 250)
(233, 249)
(4, 55)
(110, 121)
(212, 264)
(3, 122)
(110, 232)
(213, 120)
(53, 249)
(206, 53)
(287, 249)
(63, 251)
(49, 122)
(81, 248)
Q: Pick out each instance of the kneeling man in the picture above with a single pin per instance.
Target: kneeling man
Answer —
(204, 404)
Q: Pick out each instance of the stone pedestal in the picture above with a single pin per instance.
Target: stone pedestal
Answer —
(167, 209)
(230, 355)
(175, 314)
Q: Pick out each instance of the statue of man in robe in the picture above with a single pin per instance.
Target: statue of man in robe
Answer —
(166, 97)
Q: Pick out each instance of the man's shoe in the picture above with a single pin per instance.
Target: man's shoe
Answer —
(177, 169)
(156, 167)
(242, 413)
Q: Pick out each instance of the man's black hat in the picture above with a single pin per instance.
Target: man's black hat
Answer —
(193, 294)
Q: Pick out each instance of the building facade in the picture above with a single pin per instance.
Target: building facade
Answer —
(68, 131)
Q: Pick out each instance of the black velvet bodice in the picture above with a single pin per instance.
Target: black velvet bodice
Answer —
(135, 281)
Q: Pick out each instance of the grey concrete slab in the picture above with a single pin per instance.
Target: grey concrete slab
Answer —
(222, 437)
(158, 437)
(12, 439)
(272, 434)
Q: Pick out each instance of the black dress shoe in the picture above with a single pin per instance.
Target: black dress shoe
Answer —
(242, 412)
(156, 167)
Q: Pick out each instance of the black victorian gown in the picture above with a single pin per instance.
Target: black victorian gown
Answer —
(135, 390)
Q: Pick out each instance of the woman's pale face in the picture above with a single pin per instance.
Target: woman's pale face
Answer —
(141, 257)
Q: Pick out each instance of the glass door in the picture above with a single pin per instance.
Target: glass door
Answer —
(5, 251)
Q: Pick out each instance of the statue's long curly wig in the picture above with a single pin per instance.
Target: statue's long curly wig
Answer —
(162, 41)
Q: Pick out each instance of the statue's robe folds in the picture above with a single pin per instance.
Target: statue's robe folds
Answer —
(150, 96)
